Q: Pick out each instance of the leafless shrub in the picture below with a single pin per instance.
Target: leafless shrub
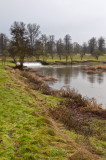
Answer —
(76, 97)
(33, 78)
(71, 119)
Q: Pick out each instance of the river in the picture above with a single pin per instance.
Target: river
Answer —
(73, 76)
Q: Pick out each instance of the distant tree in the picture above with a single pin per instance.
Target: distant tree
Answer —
(3, 42)
(33, 33)
(97, 53)
(92, 44)
(38, 49)
(84, 50)
(20, 41)
(60, 48)
(44, 46)
(76, 48)
(67, 46)
(4, 47)
(101, 44)
(51, 45)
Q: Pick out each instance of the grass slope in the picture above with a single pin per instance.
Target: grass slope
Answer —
(27, 132)
(23, 132)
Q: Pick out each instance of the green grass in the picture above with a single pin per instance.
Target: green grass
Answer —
(56, 60)
(75, 58)
(22, 133)
(98, 145)
(27, 132)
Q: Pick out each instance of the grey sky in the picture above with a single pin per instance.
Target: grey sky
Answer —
(82, 19)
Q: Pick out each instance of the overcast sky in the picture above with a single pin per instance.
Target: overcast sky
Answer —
(82, 19)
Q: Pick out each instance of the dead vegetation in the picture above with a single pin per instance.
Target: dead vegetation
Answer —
(36, 82)
(50, 79)
(32, 70)
(95, 69)
(77, 114)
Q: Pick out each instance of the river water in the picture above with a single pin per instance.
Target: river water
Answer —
(73, 76)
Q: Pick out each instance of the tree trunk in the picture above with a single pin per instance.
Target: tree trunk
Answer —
(71, 60)
(60, 57)
(66, 59)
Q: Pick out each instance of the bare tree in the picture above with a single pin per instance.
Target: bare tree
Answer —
(3, 42)
(92, 45)
(51, 45)
(20, 41)
(3, 47)
(84, 50)
(67, 46)
(60, 48)
(101, 44)
(44, 42)
(33, 34)
(38, 49)
(76, 48)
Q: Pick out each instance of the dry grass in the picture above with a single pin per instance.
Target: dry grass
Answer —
(37, 83)
(95, 69)
(50, 79)
(74, 96)
(32, 77)
(76, 112)
(33, 70)
(46, 78)
(40, 75)
(84, 104)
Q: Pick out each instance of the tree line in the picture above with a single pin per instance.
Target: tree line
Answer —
(27, 40)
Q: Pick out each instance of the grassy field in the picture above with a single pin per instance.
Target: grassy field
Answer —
(87, 57)
(56, 59)
(28, 132)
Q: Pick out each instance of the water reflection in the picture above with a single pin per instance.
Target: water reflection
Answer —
(100, 78)
(67, 73)
(90, 85)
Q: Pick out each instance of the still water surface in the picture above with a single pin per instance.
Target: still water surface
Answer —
(90, 85)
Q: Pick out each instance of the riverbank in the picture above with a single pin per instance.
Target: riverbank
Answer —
(70, 63)
(29, 126)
